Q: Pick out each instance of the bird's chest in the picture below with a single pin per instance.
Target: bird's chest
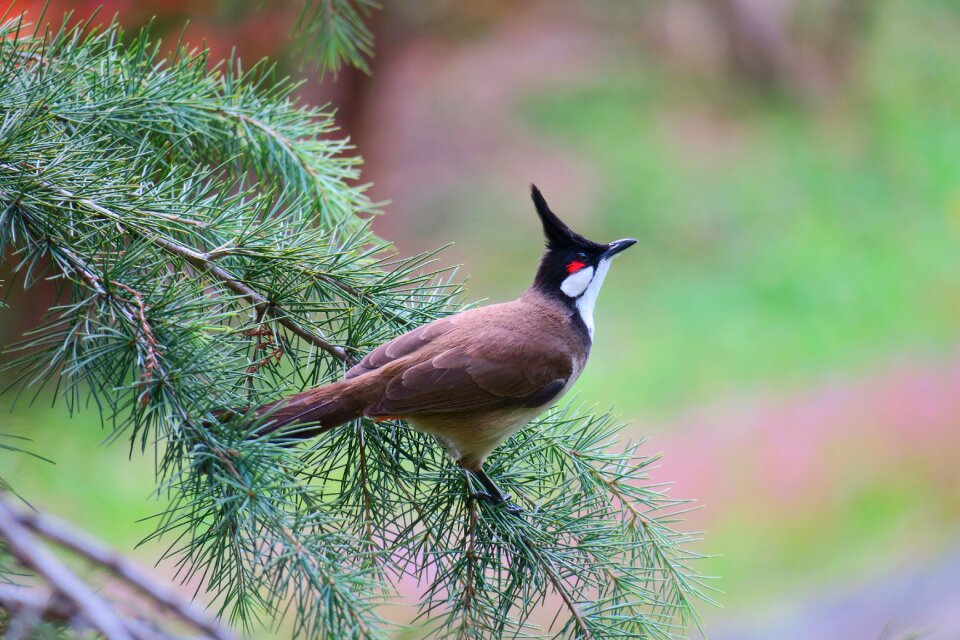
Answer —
(578, 361)
(470, 437)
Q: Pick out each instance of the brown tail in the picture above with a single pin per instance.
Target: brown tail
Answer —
(320, 409)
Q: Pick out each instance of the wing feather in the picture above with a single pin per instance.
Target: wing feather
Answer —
(487, 358)
(401, 346)
(474, 379)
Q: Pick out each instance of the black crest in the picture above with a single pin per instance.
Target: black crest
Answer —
(558, 235)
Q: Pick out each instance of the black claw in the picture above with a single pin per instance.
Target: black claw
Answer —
(492, 498)
(504, 499)
(493, 495)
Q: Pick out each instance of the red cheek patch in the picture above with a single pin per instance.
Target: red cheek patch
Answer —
(575, 266)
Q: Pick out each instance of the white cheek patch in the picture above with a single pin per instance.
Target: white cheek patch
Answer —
(577, 283)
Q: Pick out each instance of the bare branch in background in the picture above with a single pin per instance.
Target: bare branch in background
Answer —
(57, 594)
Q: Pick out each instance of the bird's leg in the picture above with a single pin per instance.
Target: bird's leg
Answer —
(493, 495)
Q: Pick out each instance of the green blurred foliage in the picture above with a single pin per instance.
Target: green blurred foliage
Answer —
(95, 486)
(777, 242)
(781, 245)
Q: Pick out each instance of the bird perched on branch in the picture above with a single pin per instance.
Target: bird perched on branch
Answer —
(474, 378)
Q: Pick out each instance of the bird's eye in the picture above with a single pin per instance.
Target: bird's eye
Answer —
(579, 262)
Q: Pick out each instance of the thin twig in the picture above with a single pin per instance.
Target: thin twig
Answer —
(468, 587)
(367, 506)
(137, 318)
(561, 589)
(152, 358)
(614, 486)
(675, 576)
(411, 500)
(305, 555)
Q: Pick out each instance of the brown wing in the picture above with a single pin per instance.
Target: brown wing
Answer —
(501, 368)
(402, 346)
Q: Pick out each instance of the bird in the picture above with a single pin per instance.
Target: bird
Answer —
(474, 378)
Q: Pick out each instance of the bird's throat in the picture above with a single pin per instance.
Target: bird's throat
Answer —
(588, 299)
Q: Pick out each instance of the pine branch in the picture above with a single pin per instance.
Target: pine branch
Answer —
(333, 32)
(203, 263)
(575, 543)
(224, 118)
(212, 254)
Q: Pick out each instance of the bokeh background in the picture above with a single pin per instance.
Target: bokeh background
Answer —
(785, 332)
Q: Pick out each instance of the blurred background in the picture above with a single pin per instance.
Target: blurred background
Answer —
(785, 332)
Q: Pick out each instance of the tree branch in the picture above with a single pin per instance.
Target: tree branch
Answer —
(561, 589)
(137, 318)
(31, 605)
(367, 506)
(668, 565)
(202, 262)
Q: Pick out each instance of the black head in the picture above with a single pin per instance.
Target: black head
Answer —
(572, 267)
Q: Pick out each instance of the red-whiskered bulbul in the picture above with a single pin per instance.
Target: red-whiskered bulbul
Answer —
(475, 378)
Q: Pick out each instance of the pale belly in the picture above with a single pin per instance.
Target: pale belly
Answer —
(469, 437)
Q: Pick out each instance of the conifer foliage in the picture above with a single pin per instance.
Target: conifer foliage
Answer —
(213, 252)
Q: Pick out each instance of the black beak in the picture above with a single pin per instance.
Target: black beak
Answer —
(616, 247)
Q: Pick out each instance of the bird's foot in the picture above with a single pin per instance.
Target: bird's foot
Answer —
(503, 498)
(513, 508)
